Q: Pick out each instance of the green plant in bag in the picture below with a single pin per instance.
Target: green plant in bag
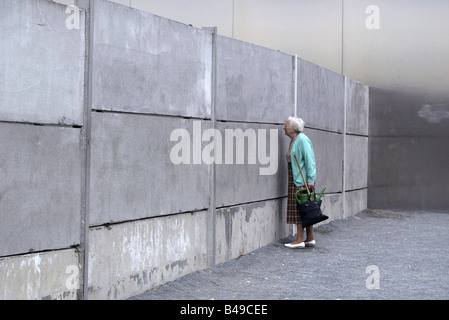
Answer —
(303, 197)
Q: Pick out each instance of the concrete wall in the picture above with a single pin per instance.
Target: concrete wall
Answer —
(117, 175)
(390, 44)
(42, 91)
(407, 153)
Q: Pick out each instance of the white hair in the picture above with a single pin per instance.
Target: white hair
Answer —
(296, 123)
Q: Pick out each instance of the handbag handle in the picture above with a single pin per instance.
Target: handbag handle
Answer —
(305, 182)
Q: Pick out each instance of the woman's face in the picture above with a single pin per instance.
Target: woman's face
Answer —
(289, 131)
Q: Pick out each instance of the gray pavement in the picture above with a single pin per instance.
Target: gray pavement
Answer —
(372, 255)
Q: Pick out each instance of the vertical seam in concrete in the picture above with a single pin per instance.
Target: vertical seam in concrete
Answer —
(295, 84)
(211, 225)
(345, 89)
(368, 173)
(292, 229)
(84, 252)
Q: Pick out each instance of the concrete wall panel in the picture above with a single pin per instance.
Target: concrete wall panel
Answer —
(355, 201)
(242, 229)
(357, 107)
(356, 167)
(42, 64)
(47, 275)
(253, 83)
(320, 101)
(39, 188)
(240, 183)
(133, 176)
(148, 64)
(332, 206)
(328, 147)
(146, 254)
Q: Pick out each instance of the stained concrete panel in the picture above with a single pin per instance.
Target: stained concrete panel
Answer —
(132, 173)
(147, 64)
(356, 167)
(242, 229)
(357, 107)
(243, 182)
(328, 148)
(53, 275)
(146, 253)
(40, 170)
(42, 63)
(355, 201)
(320, 101)
(332, 206)
(253, 83)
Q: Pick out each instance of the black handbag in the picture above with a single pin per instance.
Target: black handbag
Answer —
(310, 210)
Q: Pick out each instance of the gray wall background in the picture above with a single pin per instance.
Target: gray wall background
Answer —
(408, 49)
(86, 176)
(406, 52)
(409, 134)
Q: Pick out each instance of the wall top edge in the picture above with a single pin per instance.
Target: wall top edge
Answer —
(99, 3)
(226, 38)
(206, 30)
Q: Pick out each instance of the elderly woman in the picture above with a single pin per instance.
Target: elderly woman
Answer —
(301, 146)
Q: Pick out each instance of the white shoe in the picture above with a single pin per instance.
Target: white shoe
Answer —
(295, 246)
(310, 243)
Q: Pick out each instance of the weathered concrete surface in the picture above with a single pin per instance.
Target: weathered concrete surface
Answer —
(47, 275)
(357, 107)
(356, 166)
(147, 64)
(356, 147)
(355, 201)
(328, 147)
(320, 100)
(145, 254)
(253, 83)
(152, 89)
(40, 186)
(332, 206)
(133, 176)
(242, 229)
(241, 183)
(42, 64)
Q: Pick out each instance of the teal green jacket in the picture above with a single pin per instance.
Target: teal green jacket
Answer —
(304, 151)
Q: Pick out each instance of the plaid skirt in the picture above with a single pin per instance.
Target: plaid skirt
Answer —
(293, 215)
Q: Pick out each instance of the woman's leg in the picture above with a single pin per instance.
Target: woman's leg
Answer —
(300, 237)
(309, 231)
(299, 234)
